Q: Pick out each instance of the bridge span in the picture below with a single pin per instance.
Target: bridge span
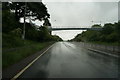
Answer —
(56, 29)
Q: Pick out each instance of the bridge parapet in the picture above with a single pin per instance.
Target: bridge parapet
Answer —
(56, 29)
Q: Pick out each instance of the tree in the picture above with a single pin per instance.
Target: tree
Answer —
(109, 33)
(117, 30)
(46, 22)
(9, 22)
(107, 29)
(35, 9)
(96, 25)
(12, 12)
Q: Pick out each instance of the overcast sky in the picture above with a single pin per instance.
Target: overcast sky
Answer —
(78, 14)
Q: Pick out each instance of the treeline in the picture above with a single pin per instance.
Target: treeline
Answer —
(12, 28)
(110, 33)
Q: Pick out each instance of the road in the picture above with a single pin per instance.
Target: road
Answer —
(71, 60)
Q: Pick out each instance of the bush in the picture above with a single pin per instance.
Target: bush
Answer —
(10, 41)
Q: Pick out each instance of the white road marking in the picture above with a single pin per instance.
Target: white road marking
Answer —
(18, 74)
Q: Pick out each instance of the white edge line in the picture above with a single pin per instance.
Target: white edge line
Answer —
(104, 53)
(18, 74)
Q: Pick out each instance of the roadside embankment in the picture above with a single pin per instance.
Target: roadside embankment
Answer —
(14, 64)
(105, 49)
(14, 55)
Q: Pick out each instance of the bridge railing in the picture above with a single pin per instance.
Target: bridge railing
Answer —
(95, 28)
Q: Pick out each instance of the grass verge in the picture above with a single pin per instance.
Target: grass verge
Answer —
(106, 43)
(11, 57)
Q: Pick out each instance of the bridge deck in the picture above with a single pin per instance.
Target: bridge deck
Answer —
(55, 29)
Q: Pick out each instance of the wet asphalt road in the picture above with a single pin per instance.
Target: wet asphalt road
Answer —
(71, 60)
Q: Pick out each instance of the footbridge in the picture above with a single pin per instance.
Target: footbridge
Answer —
(73, 28)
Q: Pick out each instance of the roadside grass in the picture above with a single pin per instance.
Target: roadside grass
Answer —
(106, 43)
(10, 41)
(14, 56)
(14, 49)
